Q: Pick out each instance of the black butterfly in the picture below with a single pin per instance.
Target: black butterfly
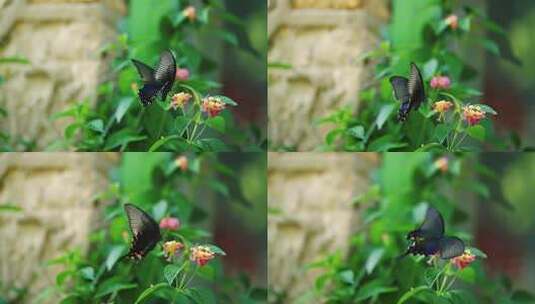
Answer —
(410, 92)
(159, 81)
(145, 232)
(429, 238)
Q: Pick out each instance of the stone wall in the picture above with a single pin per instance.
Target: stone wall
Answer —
(61, 39)
(321, 41)
(310, 196)
(56, 194)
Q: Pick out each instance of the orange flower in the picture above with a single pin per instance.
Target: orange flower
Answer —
(473, 114)
(463, 260)
(190, 12)
(179, 100)
(442, 106)
(212, 106)
(182, 163)
(452, 21)
(171, 248)
(201, 255)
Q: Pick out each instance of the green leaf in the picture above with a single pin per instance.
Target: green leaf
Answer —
(162, 141)
(372, 289)
(200, 295)
(373, 259)
(522, 296)
(96, 125)
(145, 295)
(226, 100)
(124, 105)
(113, 256)
(217, 123)
(357, 131)
(477, 132)
(487, 109)
(467, 274)
(441, 132)
(213, 144)
(170, 272)
(385, 143)
(88, 273)
(383, 115)
(216, 250)
(491, 46)
(14, 59)
(410, 293)
(122, 137)
(478, 253)
(159, 209)
(112, 285)
(347, 276)
(6, 207)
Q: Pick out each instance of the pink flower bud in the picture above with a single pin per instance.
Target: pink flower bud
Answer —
(182, 74)
(170, 223)
(440, 82)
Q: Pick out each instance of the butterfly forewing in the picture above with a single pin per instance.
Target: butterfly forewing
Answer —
(166, 69)
(145, 231)
(451, 247)
(145, 71)
(433, 225)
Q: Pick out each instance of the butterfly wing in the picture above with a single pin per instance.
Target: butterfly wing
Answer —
(401, 87)
(145, 71)
(145, 231)
(450, 247)
(416, 87)
(433, 225)
(166, 72)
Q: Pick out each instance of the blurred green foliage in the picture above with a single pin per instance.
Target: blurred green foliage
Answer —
(435, 44)
(158, 184)
(120, 122)
(402, 188)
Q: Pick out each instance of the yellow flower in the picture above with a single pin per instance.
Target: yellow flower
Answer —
(179, 100)
(473, 114)
(201, 255)
(442, 164)
(170, 248)
(442, 106)
(212, 106)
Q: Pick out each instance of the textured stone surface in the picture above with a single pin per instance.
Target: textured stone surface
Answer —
(321, 40)
(313, 192)
(56, 193)
(61, 40)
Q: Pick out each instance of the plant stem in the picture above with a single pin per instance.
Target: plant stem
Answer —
(191, 277)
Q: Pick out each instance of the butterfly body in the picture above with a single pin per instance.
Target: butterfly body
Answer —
(409, 91)
(429, 238)
(159, 81)
(145, 232)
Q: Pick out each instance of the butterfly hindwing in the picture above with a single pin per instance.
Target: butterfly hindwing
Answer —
(401, 87)
(410, 92)
(433, 225)
(145, 231)
(451, 247)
